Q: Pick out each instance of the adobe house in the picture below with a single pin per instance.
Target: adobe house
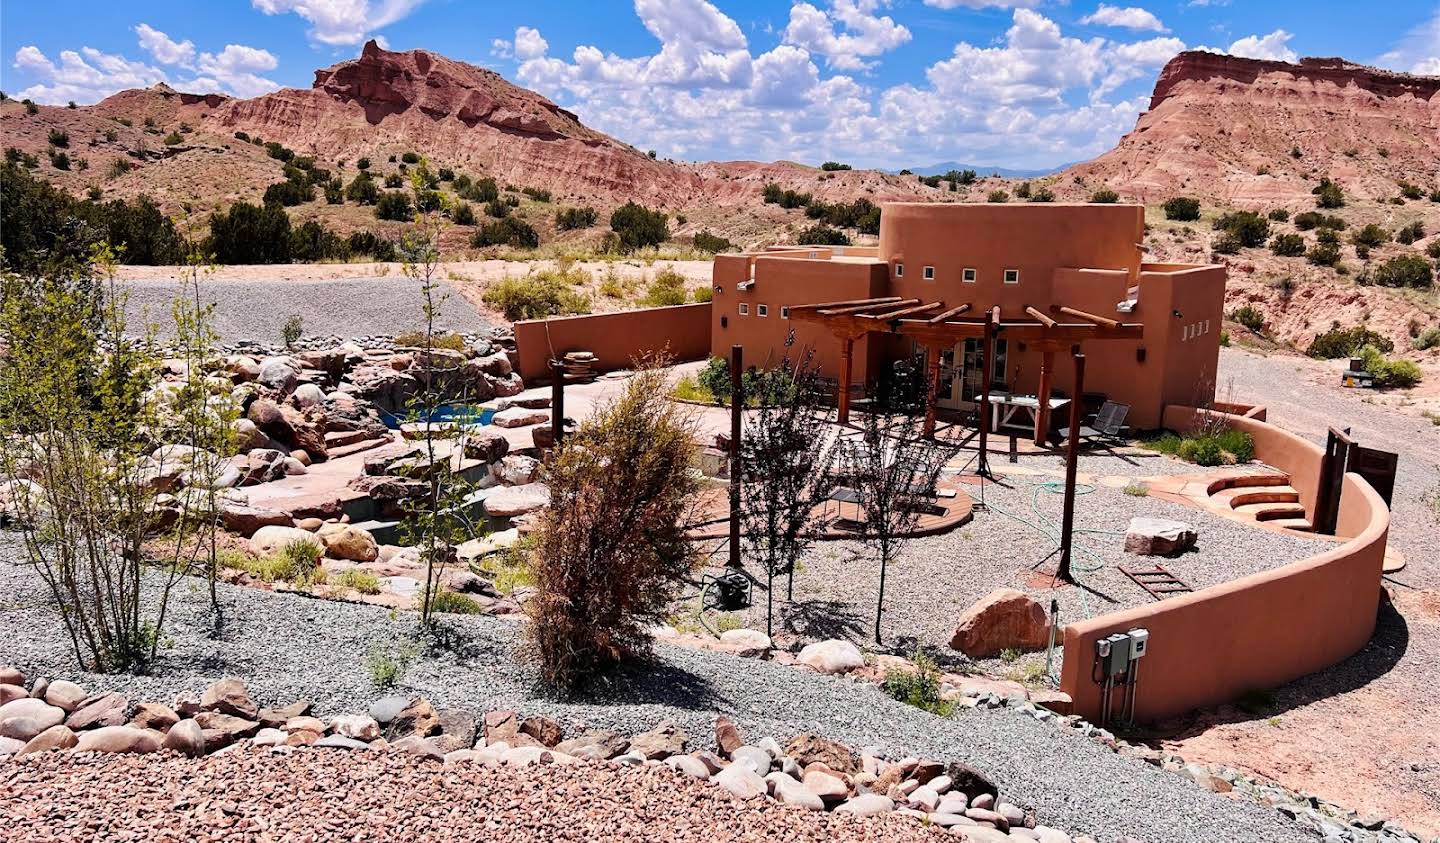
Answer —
(1048, 279)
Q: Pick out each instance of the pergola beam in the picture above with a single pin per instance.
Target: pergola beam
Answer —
(861, 308)
(904, 311)
(1040, 317)
(1088, 317)
(950, 314)
(828, 304)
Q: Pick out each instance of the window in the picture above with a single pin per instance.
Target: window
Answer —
(784, 313)
(929, 273)
(1012, 276)
(967, 275)
(762, 310)
(899, 270)
(744, 309)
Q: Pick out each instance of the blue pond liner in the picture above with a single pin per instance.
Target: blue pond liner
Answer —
(447, 413)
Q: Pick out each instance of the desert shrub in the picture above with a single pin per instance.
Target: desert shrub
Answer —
(335, 192)
(1405, 271)
(638, 227)
(1328, 194)
(1023, 190)
(1248, 227)
(386, 668)
(311, 241)
(58, 138)
(1236, 443)
(537, 194)
(1390, 373)
(148, 236)
(59, 160)
(822, 235)
(288, 193)
(705, 241)
(773, 194)
(427, 201)
(610, 556)
(362, 164)
(1408, 234)
(173, 139)
(277, 150)
(830, 166)
(1182, 209)
(447, 174)
(1288, 245)
(1226, 244)
(363, 190)
(1307, 220)
(997, 197)
(1249, 316)
(462, 214)
(292, 330)
(410, 158)
(394, 180)
(667, 289)
(1371, 235)
(1105, 197)
(1279, 215)
(1410, 191)
(454, 603)
(1326, 251)
(511, 231)
(536, 296)
(1041, 194)
(1433, 248)
(481, 190)
(703, 294)
(1340, 342)
(1428, 339)
(394, 206)
(358, 579)
(497, 209)
(919, 687)
(369, 243)
(570, 219)
(861, 214)
(248, 234)
(1201, 451)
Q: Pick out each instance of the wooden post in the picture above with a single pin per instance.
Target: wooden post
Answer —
(987, 349)
(846, 347)
(1042, 413)
(557, 401)
(932, 382)
(737, 408)
(1072, 460)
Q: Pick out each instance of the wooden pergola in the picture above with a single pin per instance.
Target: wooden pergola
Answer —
(936, 326)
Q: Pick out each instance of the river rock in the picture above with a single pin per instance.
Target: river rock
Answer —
(229, 696)
(832, 656)
(119, 739)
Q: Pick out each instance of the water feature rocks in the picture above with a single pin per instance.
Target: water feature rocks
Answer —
(268, 541)
(344, 541)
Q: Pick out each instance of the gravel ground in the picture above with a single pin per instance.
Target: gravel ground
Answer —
(335, 795)
(937, 577)
(350, 307)
(1304, 397)
(288, 647)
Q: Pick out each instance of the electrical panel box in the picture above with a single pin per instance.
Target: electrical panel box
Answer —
(1139, 643)
(1119, 659)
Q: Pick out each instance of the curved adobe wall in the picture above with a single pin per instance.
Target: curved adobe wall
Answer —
(1260, 631)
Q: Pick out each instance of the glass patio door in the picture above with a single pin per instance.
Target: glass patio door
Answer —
(971, 382)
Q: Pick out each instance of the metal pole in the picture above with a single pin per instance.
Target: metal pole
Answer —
(557, 401)
(1072, 459)
(737, 407)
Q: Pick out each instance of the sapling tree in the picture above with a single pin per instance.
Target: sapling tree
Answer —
(892, 467)
(786, 454)
(436, 520)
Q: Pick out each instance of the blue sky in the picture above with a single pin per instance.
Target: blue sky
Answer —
(873, 82)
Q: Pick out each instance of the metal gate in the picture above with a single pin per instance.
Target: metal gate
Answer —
(1343, 454)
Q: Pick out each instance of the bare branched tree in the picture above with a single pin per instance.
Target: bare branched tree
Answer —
(893, 469)
(786, 452)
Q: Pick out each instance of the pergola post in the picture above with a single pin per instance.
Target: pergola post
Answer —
(846, 347)
(1072, 459)
(987, 349)
(737, 471)
(932, 382)
(1042, 413)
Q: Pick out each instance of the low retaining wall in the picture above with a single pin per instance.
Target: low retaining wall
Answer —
(1260, 631)
(616, 339)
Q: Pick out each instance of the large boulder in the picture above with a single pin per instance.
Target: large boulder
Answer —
(1158, 537)
(118, 739)
(279, 373)
(106, 709)
(497, 365)
(661, 742)
(187, 738)
(485, 445)
(229, 696)
(510, 501)
(1002, 620)
(267, 541)
(245, 520)
(809, 748)
(55, 737)
(345, 541)
(515, 470)
(519, 417)
(383, 386)
(24, 719)
(64, 694)
(832, 656)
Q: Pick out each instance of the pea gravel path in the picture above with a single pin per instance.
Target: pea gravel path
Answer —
(322, 794)
(346, 307)
(287, 647)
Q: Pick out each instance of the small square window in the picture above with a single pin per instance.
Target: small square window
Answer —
(1012, 276)
(967, 275)
(784, 313)
(762, 310)
(899, 270)
(929, 273)
(744, 309)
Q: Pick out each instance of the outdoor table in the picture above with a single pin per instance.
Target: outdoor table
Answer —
(1004, 408)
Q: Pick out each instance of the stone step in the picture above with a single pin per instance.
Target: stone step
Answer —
(1259, 494)
(1235, 481)
(1271, 511)
(355, 447)
(1302, 525)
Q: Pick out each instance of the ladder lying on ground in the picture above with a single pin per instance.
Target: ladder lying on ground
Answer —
(1157, 581)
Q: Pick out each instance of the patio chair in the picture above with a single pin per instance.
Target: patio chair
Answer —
(1108, 424)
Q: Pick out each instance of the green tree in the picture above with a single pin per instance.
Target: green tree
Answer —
(638, 227)
(250, 234)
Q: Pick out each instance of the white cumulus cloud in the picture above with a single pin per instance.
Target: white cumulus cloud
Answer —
(983, 4)
(846, 34)
(1417, 51)
(84, 76)
(164, 49)
(342, 21)
(1128, 17)
(1274, 46)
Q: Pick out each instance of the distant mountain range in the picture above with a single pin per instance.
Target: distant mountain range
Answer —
(985, 170)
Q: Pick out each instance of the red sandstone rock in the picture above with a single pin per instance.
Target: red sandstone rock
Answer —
(1003, 619)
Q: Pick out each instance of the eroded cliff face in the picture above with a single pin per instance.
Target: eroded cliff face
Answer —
(1244, 130)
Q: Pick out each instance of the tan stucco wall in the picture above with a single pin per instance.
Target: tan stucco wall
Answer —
(1260, 631)
(616, 339)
